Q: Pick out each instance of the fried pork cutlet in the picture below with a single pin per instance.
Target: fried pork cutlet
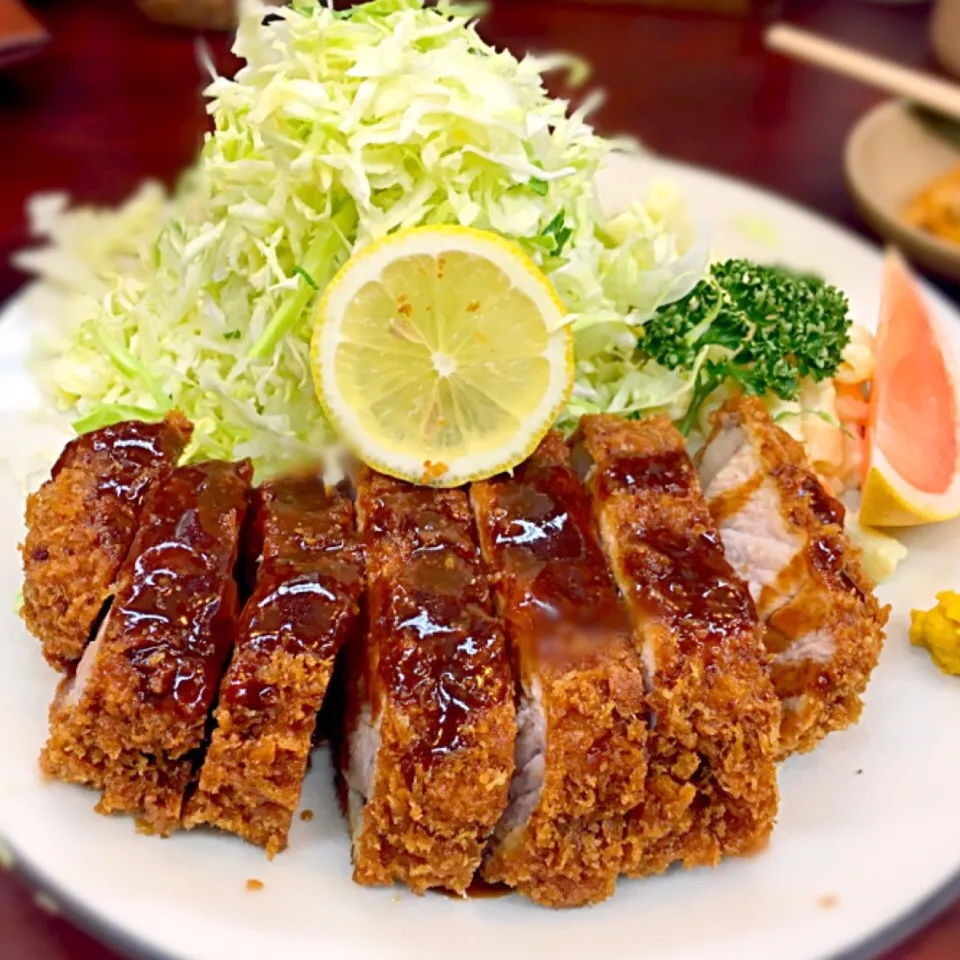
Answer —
(303, 607)
(784, 534)
(580, 761)
(81, 522)
(132, 719)
(430, 720)
(711, 784)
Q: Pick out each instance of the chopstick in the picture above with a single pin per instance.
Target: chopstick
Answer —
(939, 95)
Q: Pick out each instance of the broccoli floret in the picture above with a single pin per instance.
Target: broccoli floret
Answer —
(766, 329)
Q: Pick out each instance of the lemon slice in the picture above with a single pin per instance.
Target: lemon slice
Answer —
(441, 355)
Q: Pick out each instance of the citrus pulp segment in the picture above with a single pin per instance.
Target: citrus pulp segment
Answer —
(442, 355)
(912, 464)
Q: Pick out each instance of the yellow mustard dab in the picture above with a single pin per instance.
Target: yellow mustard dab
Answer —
(939, 631)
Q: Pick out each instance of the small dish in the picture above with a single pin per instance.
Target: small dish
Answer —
(891, 155)
(21, 34)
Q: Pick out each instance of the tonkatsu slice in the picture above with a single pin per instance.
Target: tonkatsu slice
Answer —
(132, 719)
(711, 786)
(579, 755)
(304, 605)
(81, 522)
(430, 720)
(783, 533)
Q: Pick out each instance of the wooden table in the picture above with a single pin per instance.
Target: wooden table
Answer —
(115, 99)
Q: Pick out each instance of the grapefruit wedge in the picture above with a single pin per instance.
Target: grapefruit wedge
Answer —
(912, 453)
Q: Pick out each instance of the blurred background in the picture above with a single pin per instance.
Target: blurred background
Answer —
(97, 95)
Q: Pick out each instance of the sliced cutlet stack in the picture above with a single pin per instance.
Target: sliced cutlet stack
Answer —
(132, 719)
(784, 534)
(580, 760)
(81, 522)
(711, 785)
(430, 720)
(304, 605)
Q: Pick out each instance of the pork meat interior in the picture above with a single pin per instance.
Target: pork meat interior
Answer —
(711, 786)
(133, 718)
(430, 720)
(783, 533)
(580, 751)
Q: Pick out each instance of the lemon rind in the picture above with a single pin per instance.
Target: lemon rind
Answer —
(887, 500)
(368, 264)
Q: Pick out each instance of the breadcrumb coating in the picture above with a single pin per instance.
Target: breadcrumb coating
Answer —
(430, 716)
(711, 786)
(825, 626)
(303, 607)
(582, 769)
(132, 720)
(80, 525)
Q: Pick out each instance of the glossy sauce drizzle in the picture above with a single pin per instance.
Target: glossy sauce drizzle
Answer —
(668, 472)
(827, 550)
(441, 652)
(826, 509)
(175, 610)
(127, 456)
(308, 586)
(538, 534)
(677, 563)
(692, 583)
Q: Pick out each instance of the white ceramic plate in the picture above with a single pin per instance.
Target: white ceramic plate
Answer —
(866, 846)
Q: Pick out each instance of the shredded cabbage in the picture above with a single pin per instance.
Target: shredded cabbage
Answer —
(341, 127)
(87, 247)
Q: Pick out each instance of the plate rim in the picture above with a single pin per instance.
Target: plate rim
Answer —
(885, 938)
(86, 919)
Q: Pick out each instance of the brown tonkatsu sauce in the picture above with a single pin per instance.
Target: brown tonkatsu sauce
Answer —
(533, 527)
(80, 525)
(711, 748)
(307, 566)
(827, 509)
(667, 472)
(424, 518)
(129, 453)
(307, 585)
(552, 570)
(429, 723)
(440, 648)
(294, 517)
(684, 574)
(577, 670)
(689, 580)
(294, 612)
(135, 716)
(830, 554)
(826, 549)
(177, 605)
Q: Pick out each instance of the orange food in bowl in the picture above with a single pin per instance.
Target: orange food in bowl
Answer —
(936, 209)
